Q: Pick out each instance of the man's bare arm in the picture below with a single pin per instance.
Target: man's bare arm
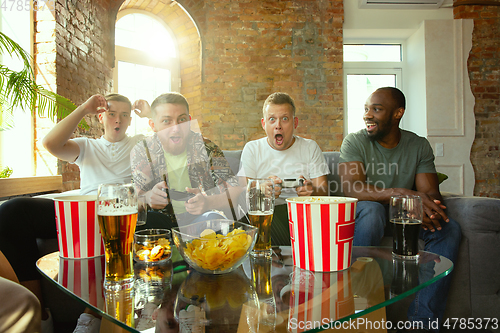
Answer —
(320, 185)
(354, 184)
(58, 142)
(427, 185)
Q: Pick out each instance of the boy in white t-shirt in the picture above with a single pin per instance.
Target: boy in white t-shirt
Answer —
(282, 155)
(106, 159)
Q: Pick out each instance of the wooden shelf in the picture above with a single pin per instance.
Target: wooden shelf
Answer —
(10, 187)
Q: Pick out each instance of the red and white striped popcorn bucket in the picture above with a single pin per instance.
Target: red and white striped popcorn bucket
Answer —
(78, 230)
(84, 278)
(321, 232)
(319, 298)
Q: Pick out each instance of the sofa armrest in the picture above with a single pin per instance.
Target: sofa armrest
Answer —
(479, 219)
(475, 214)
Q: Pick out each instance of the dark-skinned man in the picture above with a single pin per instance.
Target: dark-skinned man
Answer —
(383, 160)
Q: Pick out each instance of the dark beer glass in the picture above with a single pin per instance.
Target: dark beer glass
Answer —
(405, 215)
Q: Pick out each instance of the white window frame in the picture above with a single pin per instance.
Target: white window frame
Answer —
(142, 58)
(373, 68)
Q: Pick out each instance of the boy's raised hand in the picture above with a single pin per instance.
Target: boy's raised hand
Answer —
(95, 104)
(142, 108)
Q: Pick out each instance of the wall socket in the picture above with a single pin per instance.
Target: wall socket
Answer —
(439, 149)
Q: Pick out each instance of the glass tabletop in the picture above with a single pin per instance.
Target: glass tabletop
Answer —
(261, 296)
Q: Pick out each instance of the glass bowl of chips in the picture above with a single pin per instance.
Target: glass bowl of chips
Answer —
(215, 246)
(152, 245)
(217, 303)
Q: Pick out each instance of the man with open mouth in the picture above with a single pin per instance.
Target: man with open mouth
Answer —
(282, 155)
(383, 160)
(183, 175)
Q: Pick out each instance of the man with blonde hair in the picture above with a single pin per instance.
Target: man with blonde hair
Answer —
(283, 155)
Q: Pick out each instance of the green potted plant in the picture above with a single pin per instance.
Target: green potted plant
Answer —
(18, 89)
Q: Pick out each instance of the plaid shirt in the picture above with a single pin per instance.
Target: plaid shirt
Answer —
(206, 165)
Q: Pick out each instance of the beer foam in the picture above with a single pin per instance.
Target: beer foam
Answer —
(256, 212)
(116, 211)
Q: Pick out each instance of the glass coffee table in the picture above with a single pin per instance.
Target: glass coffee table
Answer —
(260, 296)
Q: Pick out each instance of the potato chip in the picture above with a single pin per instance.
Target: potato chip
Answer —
(216, 251)
(207, 232)
(151, 251)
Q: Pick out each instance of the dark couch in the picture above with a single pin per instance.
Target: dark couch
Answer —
(475, 288)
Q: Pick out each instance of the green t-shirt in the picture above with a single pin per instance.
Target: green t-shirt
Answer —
(178, 177)
(389, 168)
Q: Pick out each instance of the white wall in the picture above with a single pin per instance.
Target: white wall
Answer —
(435, 81)
(387, 23)
(450, 103)
(414, 83)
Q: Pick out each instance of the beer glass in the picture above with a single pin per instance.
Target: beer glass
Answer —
(120, 305)
(143, 210)
(261, 279)
(117, 215)
(405, 214)
(404, 276)
(260, 205)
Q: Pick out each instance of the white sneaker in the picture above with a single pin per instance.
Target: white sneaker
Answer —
(87, 323)
(48, 324)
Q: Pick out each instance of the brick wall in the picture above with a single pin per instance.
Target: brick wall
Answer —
(253, 48)
(74, 50)
(244, 51)
(250, 49)
(484, 73)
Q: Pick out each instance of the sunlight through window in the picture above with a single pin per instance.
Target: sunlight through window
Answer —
(141, 32)
(147, 64)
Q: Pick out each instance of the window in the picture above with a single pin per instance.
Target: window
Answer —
(366, 68)
(147, 64)
(16, 144)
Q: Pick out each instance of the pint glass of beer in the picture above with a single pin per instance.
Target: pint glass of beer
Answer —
(260, 204)
(406, 215)
(117, 214)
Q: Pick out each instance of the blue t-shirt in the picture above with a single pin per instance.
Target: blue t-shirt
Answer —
(389, 168)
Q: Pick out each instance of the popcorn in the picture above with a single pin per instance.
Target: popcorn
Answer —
(320, 200)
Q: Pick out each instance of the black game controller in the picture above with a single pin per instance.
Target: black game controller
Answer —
(180, 196)
(292, 182)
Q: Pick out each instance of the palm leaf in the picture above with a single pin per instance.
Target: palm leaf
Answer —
(19, 89)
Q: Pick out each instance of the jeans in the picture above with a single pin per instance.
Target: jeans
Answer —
(429, 303)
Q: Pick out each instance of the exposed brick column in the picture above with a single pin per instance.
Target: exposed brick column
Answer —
(74, 55)
(484, 73)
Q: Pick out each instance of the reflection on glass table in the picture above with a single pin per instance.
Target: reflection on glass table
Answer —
(263, 295)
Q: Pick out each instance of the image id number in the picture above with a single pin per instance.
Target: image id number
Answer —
(471, 323)
(27, 5)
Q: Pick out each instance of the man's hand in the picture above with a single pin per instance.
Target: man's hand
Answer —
(433, 212)
(277, 185)
(306, 190)
(95, 104)
(198, 204)
(157, 197)
(142, 108)
(58, 141)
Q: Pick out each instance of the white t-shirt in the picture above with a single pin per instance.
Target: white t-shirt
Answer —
(101, 161)
(304, 157)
